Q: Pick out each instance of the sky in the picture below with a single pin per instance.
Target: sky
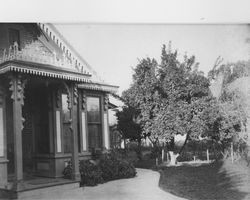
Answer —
(113, 50)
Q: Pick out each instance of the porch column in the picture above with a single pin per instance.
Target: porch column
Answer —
(57, 117)
(73, 112)
(3, 152)
(83, 122)
(17, 88)
(106, 136)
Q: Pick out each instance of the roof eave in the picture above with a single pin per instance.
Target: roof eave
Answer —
(99, 87)
(43, 70)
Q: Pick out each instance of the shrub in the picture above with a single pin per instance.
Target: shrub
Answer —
(91, 173)
(111, 166)
(114, 167)
(67, 172)
(126, 169)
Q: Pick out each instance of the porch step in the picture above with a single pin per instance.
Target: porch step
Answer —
(40, 193)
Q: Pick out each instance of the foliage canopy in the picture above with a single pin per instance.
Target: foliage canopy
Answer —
(171, 98)
(174, 98)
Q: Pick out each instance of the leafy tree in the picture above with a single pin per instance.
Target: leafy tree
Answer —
(126, 124)
(143, 95)
(232, 103)
(230, 71)
(186, 97)
(128, 127)
(172, 99)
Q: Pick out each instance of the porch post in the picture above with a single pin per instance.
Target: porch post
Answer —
(106, 136)
(83, 122)
(17, 88)
(3, 152)
(73, 109)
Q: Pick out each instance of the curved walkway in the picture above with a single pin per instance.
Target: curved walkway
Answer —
(144, 186)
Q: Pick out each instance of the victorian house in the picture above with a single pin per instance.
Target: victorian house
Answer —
(53, 108)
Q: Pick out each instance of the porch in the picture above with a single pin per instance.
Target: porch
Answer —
(39, 122)
(53, 109)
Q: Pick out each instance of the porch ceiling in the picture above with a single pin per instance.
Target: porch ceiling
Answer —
(43, 70)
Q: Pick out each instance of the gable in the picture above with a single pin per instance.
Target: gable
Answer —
(37, 47)
(44, 45)
(53, 39)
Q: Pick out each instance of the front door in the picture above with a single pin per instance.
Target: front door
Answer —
(27, 136)
(35, 131)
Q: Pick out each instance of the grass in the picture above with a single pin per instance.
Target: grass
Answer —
(145, 164)
(220, 180)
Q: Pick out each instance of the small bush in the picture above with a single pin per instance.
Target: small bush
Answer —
(114, 167)
(67, 172)
(126, 169)
(91, 173)
(110, 167)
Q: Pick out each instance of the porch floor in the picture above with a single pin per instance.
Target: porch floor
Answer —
(33, 186)
(31, 182)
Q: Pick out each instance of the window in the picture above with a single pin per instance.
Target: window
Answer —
(14, 36)
(66, 125)
(65, 109)
(94, 122)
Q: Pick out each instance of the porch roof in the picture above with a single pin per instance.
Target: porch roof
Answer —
(99, 87)
(45, 70)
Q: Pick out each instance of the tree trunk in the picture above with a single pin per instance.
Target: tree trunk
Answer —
(124, 144)
(156, 161)
(207, 155)
(139, 154)
(225, 154)
(182, 148)
(173, 157)
(162, 154)
(232, 152)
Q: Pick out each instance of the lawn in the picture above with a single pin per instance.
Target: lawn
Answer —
(220, 180)
(145, 164)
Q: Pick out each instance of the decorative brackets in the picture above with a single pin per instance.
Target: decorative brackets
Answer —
(58, 98)
(75, 94)
(84, 101)
(106, 102)
(17, 85)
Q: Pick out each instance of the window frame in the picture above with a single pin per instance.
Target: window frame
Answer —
(100, 96)
(64, 122)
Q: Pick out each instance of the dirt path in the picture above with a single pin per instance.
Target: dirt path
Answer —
(142, 187)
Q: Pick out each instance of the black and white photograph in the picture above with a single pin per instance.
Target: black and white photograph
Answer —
(115, 100)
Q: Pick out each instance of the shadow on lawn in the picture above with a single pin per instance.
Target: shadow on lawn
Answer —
(203, 182)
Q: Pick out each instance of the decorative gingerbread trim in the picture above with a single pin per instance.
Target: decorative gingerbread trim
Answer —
(75, 94)
(69, 101)
(18, 93)
(19, 90)
(58, 98)
(84, 101)
(106, 102)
